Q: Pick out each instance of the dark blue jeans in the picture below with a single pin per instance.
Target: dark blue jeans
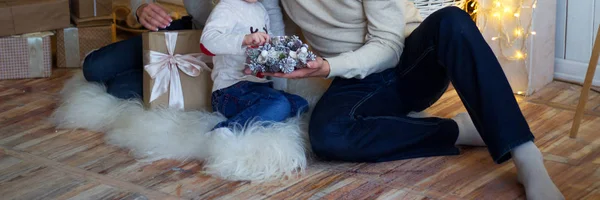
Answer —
(119, 66)
(364, 120)
(246, 102)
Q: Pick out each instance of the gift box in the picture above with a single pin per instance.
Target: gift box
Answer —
(91, 8)
(176, 74)
(30, 16)
(73, 43)
(92, 21)
(25, 56)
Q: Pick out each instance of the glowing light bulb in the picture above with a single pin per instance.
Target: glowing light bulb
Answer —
(507, 9)
(496, 14)
(498, 4)
(519, 55)
(494, 38)
(520, 92)
(534, 5)
(533, 33)
(517, 15)
(518, 32)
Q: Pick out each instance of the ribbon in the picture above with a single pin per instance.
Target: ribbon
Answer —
(36, 56)
(164, 69)
(71, 44)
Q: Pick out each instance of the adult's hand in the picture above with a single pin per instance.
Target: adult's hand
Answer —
(152, 16)
(316, 68)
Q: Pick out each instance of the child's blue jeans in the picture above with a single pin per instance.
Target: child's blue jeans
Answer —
(246, 102)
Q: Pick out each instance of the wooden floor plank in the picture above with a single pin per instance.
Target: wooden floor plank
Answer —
(38, 160)
(80, 173)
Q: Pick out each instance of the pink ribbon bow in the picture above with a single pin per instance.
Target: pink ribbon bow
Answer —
(164, 69)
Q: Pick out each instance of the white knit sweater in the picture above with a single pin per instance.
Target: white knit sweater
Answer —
(223, 36)
(358, 37)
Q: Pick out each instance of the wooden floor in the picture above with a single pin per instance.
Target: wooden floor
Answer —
(39, 162)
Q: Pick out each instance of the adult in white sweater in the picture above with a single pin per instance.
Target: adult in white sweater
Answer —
(119, 66)
(382, 69)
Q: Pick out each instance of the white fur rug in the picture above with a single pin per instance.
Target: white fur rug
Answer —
(255, 154)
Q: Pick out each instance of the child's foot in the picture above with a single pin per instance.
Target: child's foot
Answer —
(467, 133)
(223, 132)
(533, 175)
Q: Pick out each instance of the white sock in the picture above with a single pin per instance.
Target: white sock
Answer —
(532, 173)
(467, 133)
(221, 132)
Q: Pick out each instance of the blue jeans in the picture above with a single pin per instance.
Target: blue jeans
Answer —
(246, 102)
(364, 120)
(119, 66)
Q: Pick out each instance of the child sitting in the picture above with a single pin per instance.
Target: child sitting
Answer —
(233, 26)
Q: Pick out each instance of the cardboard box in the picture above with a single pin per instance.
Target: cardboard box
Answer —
(25, 56)
(92, 21)
(73, 44)
(30, 16)
(91, 8)
(196, 90)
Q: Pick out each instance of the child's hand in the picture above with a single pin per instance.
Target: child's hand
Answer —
(256, 39)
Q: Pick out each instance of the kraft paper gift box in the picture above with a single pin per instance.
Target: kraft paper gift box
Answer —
(91, 8)
(92, 21)
(73, 43)
(25, 56)
(30, 16)
(175, 72)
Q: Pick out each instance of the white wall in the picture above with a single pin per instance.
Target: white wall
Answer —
(576, 26)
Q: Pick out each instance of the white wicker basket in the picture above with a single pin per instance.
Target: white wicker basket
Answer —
(426, 7)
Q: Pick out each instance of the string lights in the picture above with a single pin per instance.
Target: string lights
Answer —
(505, 19)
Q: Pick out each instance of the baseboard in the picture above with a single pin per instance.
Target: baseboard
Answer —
(573, 71)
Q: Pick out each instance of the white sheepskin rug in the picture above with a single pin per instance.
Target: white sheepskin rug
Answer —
(255, 153)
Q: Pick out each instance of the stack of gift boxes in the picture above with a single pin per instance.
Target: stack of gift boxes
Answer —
(178, 77)
(92, 28)
(25, 36)
(29, 26)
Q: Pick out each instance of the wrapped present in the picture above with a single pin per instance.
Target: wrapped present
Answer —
(175, 72)
(73, 44)
(92, 21)
(30, 16)
(91, 8)
(25, 56)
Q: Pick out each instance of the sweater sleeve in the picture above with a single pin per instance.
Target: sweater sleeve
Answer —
(135, 4)
(383, 46)
(217, 36)
(275, 16)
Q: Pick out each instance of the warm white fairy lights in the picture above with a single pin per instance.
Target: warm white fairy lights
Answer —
(507, 20)
(505, 17)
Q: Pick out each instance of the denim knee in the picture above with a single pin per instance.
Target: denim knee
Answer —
(453, 17)
(93, 69)
(279, 107)
(452, 12)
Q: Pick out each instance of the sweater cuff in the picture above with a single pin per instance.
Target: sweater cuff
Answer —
(135, 5)
(336, 67)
